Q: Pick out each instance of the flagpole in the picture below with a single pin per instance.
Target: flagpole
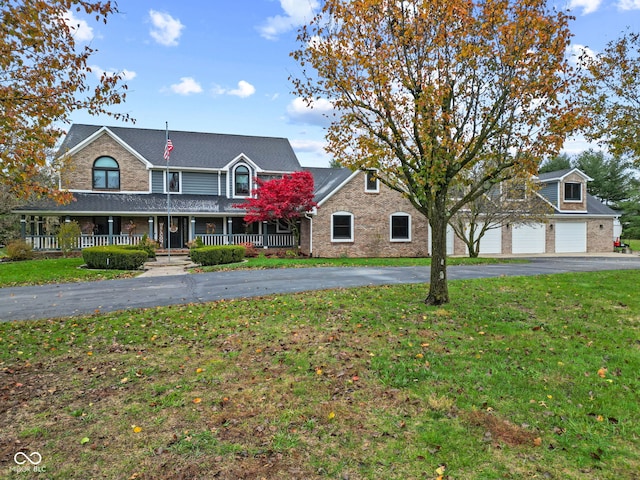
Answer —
(168, 183)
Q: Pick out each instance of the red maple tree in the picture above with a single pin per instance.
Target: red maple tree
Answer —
(284, 199)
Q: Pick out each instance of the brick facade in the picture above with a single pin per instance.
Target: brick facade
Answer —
(134, 176)
(371, 224)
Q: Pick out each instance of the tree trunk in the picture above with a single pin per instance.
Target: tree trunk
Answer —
(438, 289)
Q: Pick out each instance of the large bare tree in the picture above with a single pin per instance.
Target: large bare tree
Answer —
(426, 90)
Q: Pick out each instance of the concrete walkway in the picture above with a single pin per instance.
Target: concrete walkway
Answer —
(163, 266)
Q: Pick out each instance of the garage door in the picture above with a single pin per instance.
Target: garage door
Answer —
(491, 241)
(528, 239)
(571, 237)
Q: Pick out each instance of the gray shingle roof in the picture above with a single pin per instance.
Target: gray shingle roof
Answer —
(326, 180)
(196, 150)
(131, 204)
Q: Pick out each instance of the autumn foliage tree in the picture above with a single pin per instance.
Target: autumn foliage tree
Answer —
(426, 90)
(611, 96)
(44, 77)
(284, 199)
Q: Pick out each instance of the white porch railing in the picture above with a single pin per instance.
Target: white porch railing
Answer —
(50, 242)
(278, 240)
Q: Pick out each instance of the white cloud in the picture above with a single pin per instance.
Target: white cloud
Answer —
(629, 4)
(80, 29)
(244, 90)
(166, 30)
(318, 113)
(187, 86)
(297, 12)
(588, 6)
(125, 74)
(575, 52)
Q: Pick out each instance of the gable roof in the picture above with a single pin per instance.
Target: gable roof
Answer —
(559, 175)
(194, 149)
(327, 180)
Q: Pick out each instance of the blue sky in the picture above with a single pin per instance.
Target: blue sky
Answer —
(223, 66)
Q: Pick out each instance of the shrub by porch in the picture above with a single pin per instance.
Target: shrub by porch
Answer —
(116, 258)
(217, 255)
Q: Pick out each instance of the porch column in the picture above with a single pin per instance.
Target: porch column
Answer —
(192, 232)
(23, 227)
(151, 237)
(265, 231)
(110, 230)
(230, 230)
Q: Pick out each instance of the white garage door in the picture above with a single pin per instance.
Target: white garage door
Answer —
(571, 237)
(491, 241)
(528, 239)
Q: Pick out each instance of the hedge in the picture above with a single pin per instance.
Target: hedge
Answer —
(148, 248)
(114, 257)
(217, 255)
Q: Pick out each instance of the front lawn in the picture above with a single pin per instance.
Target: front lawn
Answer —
(52, 270)
(529, 377)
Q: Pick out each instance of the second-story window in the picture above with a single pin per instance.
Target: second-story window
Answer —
(106, 174)
(173, 182)
(241, 182)
(573, 192)
(371, 184)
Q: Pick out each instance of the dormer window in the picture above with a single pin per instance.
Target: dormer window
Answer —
(241, 182)
(572, 192)
(106, 174)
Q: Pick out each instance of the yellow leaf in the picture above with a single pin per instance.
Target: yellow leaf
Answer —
(600, 418)
(440, 470)
(137, 429)
(197, 400)
(332, 415)
(602, 372)
(124, 380)
(318, 371)
(199, 370)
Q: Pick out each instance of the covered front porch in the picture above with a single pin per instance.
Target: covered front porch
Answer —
(176, 231)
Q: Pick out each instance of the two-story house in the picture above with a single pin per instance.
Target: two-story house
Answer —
(123, 188)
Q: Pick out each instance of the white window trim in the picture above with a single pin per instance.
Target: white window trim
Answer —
(166, 180)
(233, 181)
(342, 240)
(399, 240)
(564, 193)
(366, 184)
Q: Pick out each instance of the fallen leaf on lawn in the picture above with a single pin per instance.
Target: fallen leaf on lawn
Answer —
(124, 380)
(137, 429)
(318, 371)
(537, 441)
(199, 370)
(332, 415)
(84, 440)
(602, 372)
(440, 470)
(197, 400)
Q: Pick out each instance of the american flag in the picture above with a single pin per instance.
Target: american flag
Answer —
(167, 149)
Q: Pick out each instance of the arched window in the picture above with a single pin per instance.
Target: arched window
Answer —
(106, 174)
(241, 182)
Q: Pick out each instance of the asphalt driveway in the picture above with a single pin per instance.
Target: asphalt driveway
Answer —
(70, 299)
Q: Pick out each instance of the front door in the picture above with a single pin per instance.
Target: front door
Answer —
(178, 232)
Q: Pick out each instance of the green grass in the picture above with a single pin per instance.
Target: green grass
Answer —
(58, 270)
(530, 377)
(262, 262)
(634, 244)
